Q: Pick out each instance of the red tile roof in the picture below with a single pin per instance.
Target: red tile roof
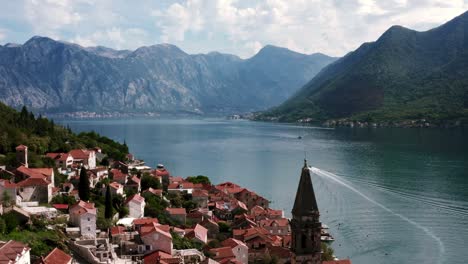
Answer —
(56, 256)
(232, 243)
(82, 207)
(154, 227)
(10, 250)
(157, 192)
(222, 253)
(137, 198)
(176, 211)
(7, 184)
(200, 193)
(154, 256)
(21, 147)
(118, 175)
(80, 153)
(117, 230)
(33, 182)
(145, 221)
(60, 206)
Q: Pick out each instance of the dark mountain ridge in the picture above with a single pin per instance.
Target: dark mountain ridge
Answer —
(54, 76)
(405, 74)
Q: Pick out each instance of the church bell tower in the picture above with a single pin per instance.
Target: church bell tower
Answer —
(305, 223)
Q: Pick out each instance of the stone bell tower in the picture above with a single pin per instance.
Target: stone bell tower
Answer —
(305, 223)
(22, 155)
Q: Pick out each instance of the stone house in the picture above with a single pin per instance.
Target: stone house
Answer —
(84, 157)
(178, 214)
(239, 249)
(156, 237)
(83, 215)
(136, 206)
(200, 197)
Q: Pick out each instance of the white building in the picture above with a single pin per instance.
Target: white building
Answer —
(136, 206)
(83, 215)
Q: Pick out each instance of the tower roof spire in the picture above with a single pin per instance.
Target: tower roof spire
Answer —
(305, 203)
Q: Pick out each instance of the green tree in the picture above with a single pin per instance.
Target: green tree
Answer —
(6, 200)
(108, 203)
(83, 186)
(148, 181)
(11, 222)
(199, 179)
(327, 252)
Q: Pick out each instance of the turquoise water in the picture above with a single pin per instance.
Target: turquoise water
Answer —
(388, 195)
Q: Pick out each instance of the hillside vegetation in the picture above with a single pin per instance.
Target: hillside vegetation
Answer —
(404, 75)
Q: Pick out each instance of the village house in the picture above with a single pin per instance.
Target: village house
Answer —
(133, 184)
(239, 249)
(62, 160)
(83, 215)
(251, 199)
(200, 197)
(157, 237)
(225, 210)
(157, 192)
(199, 233)
(211, 226)
(56, 256)
(278, 227)
(115, 188)
(14, 252)
(182, 186)
(178, 214)
(136, 206)
(222, 254)
(119, 176)
(84, 157)
(138, 223)
(8, 191)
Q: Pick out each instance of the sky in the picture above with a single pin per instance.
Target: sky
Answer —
(241, 27)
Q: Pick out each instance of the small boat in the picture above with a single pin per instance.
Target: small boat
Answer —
(299, 137)
(328, 238)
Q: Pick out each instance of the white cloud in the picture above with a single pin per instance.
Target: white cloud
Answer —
(233, 26)
(306, 26)
(114, 37)
(49, 16)
(3, 34)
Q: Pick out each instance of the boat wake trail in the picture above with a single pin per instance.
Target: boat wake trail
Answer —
(337, 179)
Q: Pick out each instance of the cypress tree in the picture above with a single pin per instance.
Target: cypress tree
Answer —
(83, 186)
(108, 203)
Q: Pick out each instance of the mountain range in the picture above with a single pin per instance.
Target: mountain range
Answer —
(403, 75)
(53, 77)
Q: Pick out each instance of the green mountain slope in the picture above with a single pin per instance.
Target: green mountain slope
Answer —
(42, 135)
(404, 75)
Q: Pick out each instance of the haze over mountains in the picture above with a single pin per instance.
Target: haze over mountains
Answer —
(405, 74)
(52, 76)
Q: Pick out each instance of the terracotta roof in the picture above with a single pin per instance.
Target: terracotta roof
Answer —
(161, 172)
(232, 243)
(7, 184)
(136, 198)
(118, 175)
(157, 192)
(21, 147)
(280, 252)
(10, 250)
(33, 182)
(135, 179)
(145, 221)
(154, 256)
(58, 156)
(222, 253)
(36, 172)
(80, 153)
(200, 193)
(154, 227)
(176, 211)
(60, 206)
(82, 207)
(56, 256)
(341, 261)
(227, 185)
(116, 230)
(282, 222)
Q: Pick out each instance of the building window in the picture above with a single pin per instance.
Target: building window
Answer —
(303, 241)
